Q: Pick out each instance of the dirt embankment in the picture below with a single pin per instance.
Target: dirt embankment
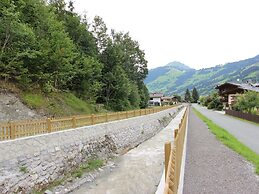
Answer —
(11, 108)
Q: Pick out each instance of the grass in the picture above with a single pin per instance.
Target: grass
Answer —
(231, 142)
(57, 103)
(78, 172)
(33, 100)
(23, 169)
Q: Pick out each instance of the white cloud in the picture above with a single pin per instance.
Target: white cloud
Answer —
(199, 33)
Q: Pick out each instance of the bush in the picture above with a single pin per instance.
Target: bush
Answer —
(248, 102)
(213, 102)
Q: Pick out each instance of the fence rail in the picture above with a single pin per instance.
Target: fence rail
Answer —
(16, 129)
(242, 115)
(173, 157)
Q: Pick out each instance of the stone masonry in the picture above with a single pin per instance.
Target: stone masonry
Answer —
(34, 162)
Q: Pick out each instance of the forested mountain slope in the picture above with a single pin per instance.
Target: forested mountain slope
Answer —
(175, 77)
(46, 47)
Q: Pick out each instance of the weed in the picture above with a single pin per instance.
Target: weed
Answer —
(23, 169)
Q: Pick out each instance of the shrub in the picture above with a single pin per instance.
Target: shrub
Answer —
(248, 102)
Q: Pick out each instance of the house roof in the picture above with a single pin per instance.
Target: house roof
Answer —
(242, 86)
(156, 95)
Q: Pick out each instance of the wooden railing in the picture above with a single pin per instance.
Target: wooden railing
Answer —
(173, 157)
(16, 129)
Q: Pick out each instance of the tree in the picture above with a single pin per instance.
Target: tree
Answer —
(179, 98)
(99, 31)
(248, 102)
(187, 96)
(45, 45)
(213, 102)
(195, 95)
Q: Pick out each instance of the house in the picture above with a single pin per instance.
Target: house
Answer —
(168, 100)
(155, 99)
(229, 91)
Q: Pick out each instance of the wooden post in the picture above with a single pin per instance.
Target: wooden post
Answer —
(127, 116)
(49, 125)
(175, 133)
(74, 122)
(167, 156)
(92, 119)
(12, 130)
(145, 111)
(139, 112)
(106, 117)
(134, 113)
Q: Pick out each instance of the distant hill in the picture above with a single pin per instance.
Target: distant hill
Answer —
(175, 77)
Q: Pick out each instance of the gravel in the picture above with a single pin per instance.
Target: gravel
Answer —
(211, 167)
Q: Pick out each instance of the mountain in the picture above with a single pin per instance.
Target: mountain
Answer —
(175, 77)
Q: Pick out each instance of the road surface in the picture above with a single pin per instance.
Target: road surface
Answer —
(213, 168)
(245, 132)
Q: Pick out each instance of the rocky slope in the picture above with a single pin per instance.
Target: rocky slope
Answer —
(11, 108)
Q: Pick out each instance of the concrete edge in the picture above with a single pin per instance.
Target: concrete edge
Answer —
(181, 181)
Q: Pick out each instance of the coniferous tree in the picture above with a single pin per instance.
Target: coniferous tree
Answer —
(195, 95)
(187, 96)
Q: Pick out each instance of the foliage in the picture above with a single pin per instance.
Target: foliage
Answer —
(248, 102)
(231, 142)
(187, 96)
(52, 48)
(195, 95)
(179, 98)
(213, 102)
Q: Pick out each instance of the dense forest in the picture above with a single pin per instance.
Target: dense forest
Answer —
(46, 46)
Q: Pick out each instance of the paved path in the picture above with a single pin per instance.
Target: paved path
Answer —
(138, 171)
(212, 168)
(245, 132)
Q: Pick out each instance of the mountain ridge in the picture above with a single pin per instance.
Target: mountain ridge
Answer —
(176, 77)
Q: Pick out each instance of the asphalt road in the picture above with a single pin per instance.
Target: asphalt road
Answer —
(213, 168)
(245, 132)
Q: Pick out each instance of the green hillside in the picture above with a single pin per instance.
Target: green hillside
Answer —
(176, 77)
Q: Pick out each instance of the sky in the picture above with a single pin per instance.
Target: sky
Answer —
(198, 33)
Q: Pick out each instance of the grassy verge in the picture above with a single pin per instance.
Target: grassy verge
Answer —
(230, 141)
(89, 166)
(57, 103)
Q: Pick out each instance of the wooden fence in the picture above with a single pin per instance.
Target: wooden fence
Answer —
(247, 116)
(173, 157)
(24, 128)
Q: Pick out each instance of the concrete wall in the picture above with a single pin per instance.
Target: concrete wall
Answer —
(34, 162)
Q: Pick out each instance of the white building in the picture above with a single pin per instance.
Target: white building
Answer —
(155, 99)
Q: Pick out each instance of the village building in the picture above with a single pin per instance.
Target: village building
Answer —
(229, 92)
(155, 99)
(169, 100)
(158, 99)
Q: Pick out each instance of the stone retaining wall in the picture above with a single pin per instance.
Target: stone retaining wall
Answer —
(34, 162)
